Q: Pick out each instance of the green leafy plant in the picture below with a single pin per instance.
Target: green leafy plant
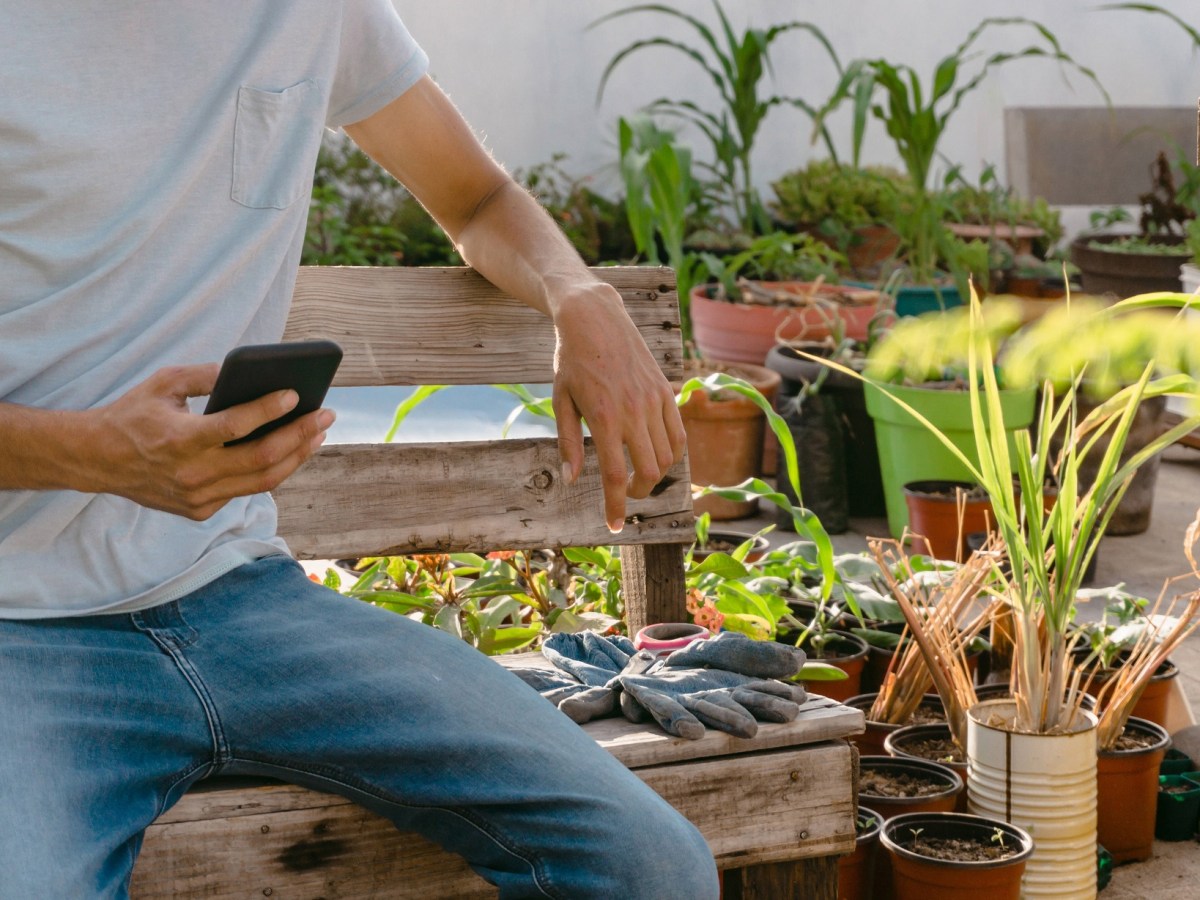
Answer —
(916, 117)
(736, 66)
(990, 203)
(778, 256)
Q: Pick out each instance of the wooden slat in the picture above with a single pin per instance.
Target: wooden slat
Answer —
(451, 326)
(752, 809)
(355, 500)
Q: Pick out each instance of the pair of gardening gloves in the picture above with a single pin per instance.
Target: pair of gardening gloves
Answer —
(728, 682)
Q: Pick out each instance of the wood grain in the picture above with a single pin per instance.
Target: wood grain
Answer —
(452, 326)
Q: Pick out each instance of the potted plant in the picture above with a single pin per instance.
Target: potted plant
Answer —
(856, 872)
(1149, 260)
(988, 211)
(892, 786)
(847, 206)
(911, 385)
(1042, 741)
(916, 116)
(780, 288)
(948, 856)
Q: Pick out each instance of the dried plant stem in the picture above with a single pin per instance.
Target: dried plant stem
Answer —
(943, 618)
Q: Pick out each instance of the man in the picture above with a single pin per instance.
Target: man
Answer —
(154, 158)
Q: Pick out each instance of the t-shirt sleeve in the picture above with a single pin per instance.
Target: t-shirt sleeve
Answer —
(378, 61)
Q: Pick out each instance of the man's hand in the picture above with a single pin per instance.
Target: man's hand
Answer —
(605, 375)
(147, 446)
(604, 372)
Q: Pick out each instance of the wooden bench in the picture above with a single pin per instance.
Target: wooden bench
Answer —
(777, 810)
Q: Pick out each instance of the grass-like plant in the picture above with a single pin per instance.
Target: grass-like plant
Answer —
(1049, 545)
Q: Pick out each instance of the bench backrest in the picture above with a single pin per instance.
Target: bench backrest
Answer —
(410, 326)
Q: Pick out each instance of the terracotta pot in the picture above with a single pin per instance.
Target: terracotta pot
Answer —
(856, 872)
(746, 332)
(916, 877)
(1152, 705)
(933, 517)
(725, 438)
(722, 536)
(943, 800)
(1127, 793)
(898, 742)
(847, 652)
(871, 741)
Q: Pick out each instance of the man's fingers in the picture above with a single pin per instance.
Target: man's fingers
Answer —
(239, 421)
(570, 434)
(613, 477)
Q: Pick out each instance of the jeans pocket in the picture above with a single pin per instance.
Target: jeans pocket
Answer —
(275, 140)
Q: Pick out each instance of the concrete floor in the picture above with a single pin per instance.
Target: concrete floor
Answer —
(1143, 562)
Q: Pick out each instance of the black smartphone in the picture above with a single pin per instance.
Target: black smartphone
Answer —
(250, 372)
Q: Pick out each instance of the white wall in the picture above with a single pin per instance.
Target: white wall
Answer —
(525, 72)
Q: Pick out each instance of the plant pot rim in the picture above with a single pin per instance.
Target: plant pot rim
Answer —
(1148, 728)
(957, 820)
(861, 646)
(978, 712)
(952, 780)
(895, 738)
(873, 832)
(935, 490)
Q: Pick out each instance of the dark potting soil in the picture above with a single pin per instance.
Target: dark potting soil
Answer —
(964, 849)
(951, 493)
(898, 784)
(1134, 740)
(934, 749)
(927, 715)
(1176, 788)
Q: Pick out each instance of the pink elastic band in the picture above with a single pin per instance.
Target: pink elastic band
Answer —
(667, 636)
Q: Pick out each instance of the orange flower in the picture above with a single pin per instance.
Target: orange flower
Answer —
(502, 554)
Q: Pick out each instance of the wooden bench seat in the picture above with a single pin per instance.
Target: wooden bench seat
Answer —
(777, 810)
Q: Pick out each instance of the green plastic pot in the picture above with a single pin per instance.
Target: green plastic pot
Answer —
(1176, 762)
(1178, 808)
(916, 300)
(909, 452)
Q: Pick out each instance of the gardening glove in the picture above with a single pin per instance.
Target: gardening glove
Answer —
(579, 701)
(583, 682)
(725, 683)
(684, 701)
(735, 652)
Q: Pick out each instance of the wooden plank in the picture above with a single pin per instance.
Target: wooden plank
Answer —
(432, 325)
(752, 809)
(653, 585)
(812, 879)
(353, 500)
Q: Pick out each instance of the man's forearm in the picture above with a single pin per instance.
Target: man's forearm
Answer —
(515, 244)
(40, 450)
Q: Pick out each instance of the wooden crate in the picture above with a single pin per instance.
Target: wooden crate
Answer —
(777, 809)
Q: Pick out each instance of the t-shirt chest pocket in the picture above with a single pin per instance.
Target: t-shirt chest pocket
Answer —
(275, 142)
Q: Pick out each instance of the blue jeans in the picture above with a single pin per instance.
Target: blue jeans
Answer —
(106, 721)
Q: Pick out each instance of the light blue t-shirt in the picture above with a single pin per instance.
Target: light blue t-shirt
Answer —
(155, 164)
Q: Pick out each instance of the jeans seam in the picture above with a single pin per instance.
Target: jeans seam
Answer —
(340, 778)
(220, 746)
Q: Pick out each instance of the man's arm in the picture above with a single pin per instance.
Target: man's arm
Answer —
(604, 372)
(147, 446)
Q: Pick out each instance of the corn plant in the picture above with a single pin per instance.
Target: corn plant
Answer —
(736, 66)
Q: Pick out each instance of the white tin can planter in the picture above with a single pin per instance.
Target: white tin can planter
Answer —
(1045, 784)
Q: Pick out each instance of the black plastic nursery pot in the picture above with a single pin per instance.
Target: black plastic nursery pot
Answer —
(1178, 810)
(834, 436)
(942, 797)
